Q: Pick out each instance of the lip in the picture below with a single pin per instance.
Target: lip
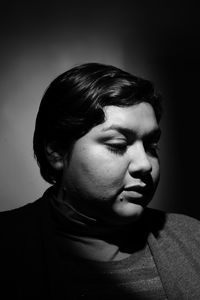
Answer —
(136, 188)
(135, 197)
(132, 194)
(137, 194)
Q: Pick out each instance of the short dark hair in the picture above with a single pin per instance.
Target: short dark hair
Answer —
(73, 104)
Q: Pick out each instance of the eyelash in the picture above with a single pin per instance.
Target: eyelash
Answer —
(117, 148)
(120, 149)
(152, 148)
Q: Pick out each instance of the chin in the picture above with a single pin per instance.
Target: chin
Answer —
(128, 213)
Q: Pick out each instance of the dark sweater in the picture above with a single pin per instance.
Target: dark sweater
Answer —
(30, 263)
(103, 264)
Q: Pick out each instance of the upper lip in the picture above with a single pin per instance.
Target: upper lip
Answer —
(136, 188)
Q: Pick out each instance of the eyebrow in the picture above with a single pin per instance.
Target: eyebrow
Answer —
(156, 132)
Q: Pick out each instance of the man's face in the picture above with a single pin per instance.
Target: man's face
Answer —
(113, 170)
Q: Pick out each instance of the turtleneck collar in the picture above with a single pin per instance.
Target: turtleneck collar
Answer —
(81, 224)
(91, 239)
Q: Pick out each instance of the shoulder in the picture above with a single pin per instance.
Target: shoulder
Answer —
(183, 227)
(25, 211)
(22, 226)
(182, 221)
(30, 210)
(176, 225)
(175, 249)
(170, 219)
(22, 221)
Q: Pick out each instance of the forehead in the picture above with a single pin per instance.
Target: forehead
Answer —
(139, 117)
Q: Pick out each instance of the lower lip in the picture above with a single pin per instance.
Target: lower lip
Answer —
(133, 196)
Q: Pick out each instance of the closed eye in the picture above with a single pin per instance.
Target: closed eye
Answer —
(119, 148)
(152, 148)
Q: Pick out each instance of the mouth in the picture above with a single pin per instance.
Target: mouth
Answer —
(137, 194)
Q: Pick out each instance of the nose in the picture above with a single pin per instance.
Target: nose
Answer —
(139, 160)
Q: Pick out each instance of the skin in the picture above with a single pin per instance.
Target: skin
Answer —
(108, 160)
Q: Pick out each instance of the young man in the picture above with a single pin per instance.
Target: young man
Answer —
(91, 235)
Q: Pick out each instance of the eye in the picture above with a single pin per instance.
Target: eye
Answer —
(119, 148)
(152, 148)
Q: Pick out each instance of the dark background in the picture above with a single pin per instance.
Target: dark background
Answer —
(158, 40)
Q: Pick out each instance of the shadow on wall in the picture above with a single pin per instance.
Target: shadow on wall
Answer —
(39, 53)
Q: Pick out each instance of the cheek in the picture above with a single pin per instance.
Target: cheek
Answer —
(97, 169)
(155, 170)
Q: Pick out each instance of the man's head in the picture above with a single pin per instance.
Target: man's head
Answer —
(75, 102)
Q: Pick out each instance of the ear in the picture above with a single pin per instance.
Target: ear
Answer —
(55, 158)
